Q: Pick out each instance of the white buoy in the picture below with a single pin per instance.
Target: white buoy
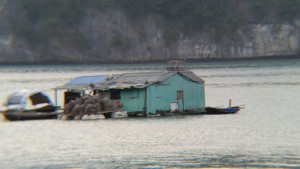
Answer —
(93, 117)
(119, 114)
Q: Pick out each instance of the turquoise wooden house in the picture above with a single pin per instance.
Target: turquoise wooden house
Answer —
(155, 92)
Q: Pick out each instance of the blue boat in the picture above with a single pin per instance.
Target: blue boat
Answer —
(216, 111)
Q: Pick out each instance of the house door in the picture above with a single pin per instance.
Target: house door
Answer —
(180, 100)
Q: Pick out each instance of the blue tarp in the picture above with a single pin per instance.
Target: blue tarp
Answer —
(86, 80)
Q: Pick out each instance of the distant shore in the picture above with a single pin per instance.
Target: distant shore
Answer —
(54, 62)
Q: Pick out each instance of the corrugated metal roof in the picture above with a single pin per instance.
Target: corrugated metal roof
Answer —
(141, 80)
(125, 80)
(83, 82)
(86, 80)
(128, 80)
(190, 75)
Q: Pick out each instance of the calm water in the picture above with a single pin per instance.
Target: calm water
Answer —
(264, 134)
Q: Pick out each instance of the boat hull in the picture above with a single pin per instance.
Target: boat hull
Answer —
(14, 116)
(217, 111)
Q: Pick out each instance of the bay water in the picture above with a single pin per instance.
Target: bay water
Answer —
(266, 133)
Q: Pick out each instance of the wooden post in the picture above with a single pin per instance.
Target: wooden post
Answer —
(229, 102)
(56, 97)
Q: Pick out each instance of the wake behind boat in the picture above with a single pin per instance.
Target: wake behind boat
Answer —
(28, 105)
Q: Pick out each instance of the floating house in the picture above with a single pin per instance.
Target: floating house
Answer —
(146, 93)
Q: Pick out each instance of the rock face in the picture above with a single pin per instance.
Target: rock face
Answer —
(258, 40)
(115, 38)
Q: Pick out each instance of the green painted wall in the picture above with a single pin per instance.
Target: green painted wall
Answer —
(133, 100)
(161, 95)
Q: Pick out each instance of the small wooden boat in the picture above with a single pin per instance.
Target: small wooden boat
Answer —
(27, 105)
(216, 111)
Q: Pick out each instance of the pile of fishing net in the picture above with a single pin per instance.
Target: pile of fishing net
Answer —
(89, 105)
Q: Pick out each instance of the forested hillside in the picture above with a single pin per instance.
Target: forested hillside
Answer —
(143, 30)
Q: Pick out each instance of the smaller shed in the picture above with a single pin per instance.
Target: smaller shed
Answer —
(77, 86)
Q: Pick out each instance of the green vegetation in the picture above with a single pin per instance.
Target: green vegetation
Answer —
(51, 19)
(56, 18)
(32, 36)
(66, 12)
(217, 17)
(280, 10)
(119, 42)
(288, 10)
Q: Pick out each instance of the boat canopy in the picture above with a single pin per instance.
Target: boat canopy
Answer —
(26, 99)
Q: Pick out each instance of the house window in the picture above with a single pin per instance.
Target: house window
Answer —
(179, 94)
(69, 95)
(115, 95)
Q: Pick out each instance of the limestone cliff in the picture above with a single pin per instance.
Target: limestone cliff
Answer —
(113, 37)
